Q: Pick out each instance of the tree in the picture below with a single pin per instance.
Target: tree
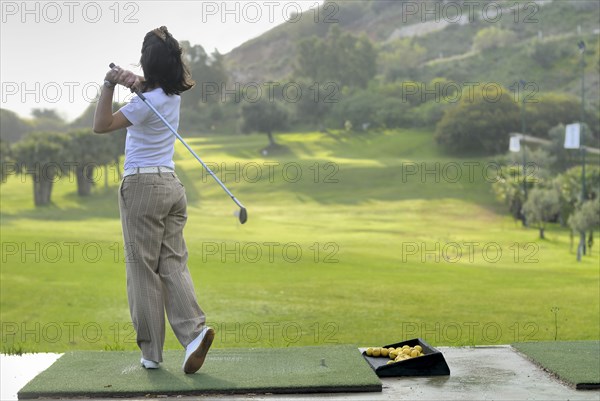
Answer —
(586, 217)
(47, 120)
(492, 38)
(513, 178)
(203, 105)
(49, 114)
(12, 127)
(400, 57)
(394, 113)
(542, 206)
(115, 140)
(508, 189)
(569, 183)
(5, 160)
(360, 107)
(547, 52)
(117, 143)
(86, 119)
(315, 102)
(549, 110)
(208, 71)
(41, 155)
(264, 116)
(479, 123)
(307, 60)
(88, 151)
(342, 58)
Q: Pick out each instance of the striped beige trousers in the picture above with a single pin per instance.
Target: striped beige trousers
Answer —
(153, 214)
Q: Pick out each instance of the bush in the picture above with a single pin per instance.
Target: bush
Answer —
(393, 113)
(429, 114)
(400, 58)
(492, 38)
(546, 53)
(542, 206)
(359, 108)
(479, 124)
(570, 183)
(549, 110)
(586, 217)
(12, 127)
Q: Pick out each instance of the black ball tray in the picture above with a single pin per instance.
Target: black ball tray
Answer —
(432, 363)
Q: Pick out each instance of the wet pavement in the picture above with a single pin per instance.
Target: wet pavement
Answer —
(477, 373)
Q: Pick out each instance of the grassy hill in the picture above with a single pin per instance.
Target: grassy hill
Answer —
(352, 238)
(550, 28)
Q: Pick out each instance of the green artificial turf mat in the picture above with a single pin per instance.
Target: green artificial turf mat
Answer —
(575, 362)
(225, 371)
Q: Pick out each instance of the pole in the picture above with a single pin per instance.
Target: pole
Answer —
(582, 119)
(582, 247)
(522, 83)
(524, 161)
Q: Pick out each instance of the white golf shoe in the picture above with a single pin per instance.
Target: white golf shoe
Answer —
(196, 351)
(148, 364)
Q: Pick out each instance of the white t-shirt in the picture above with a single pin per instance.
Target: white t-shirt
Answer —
(149, 142)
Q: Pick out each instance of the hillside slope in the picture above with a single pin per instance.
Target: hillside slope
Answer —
(447, 39)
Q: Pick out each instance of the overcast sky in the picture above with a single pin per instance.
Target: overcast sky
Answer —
(55, 54)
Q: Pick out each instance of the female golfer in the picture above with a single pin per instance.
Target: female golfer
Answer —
(152, 204)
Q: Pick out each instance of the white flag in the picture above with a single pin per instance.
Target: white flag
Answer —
(572, 136)
(515, 144)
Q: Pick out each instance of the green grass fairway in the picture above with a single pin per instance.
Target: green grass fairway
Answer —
(352, 238)
(242, 370)
(575, 362)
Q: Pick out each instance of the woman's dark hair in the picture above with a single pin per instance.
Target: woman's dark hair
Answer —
(162, 63)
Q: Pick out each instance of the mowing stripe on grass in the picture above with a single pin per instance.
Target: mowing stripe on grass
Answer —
(226, 371)
(575, 362)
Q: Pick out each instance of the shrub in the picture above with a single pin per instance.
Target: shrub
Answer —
(492, 38)
(479, 124)
(549, 110)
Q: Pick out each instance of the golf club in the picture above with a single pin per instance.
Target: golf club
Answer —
(243, 213)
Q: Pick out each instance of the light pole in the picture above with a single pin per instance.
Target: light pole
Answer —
(581, 46)
(523, 126)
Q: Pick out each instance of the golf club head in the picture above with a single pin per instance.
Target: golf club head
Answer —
(243, 215)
